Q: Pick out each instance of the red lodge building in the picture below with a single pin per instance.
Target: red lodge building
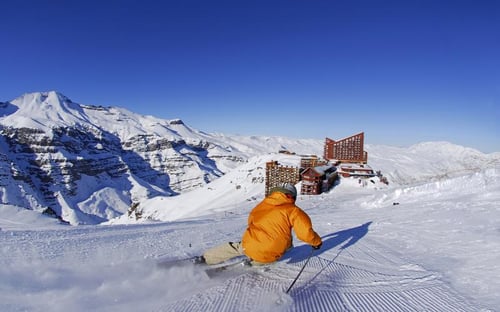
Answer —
(348, 150)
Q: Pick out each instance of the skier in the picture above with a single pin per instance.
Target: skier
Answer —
(268, 235)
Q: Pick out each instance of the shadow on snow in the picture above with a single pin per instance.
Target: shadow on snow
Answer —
(344, 239)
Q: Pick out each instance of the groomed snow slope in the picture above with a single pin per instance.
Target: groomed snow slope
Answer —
(437, 249)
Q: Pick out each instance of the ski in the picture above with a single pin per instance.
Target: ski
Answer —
(215, 270)
(234, 266)
(170, 263)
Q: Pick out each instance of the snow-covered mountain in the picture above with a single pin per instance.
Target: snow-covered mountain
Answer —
(90, 164)
(87, 164)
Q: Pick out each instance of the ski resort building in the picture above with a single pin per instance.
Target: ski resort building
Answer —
(311, 161)
(277, 174)
(356, 170)
(348, 150)
(316, 180)
(345, 157)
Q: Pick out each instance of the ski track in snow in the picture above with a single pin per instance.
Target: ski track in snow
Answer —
(352, 272)
(371, 259)
(364, 277)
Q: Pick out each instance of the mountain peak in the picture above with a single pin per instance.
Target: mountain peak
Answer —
(51, 109)
(42, 110)
(41, 97)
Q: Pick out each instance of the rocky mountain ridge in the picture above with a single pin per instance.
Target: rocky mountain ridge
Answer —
(87, 164)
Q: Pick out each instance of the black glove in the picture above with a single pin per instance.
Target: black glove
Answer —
(317, 246)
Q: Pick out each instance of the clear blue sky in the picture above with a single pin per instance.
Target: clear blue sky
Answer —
(401, 71)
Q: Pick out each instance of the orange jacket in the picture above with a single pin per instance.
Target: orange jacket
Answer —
(270, 223)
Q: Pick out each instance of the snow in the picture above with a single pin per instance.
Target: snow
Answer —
(45, 110)
(428, 241)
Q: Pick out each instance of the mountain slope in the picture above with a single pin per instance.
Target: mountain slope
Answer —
(244, 185)
(90, 164)
(437, 250)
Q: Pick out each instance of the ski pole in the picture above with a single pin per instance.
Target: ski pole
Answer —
(300, 272)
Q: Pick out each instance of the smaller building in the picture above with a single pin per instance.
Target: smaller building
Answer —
(311, 161)
(356, 170)
(316, 180)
